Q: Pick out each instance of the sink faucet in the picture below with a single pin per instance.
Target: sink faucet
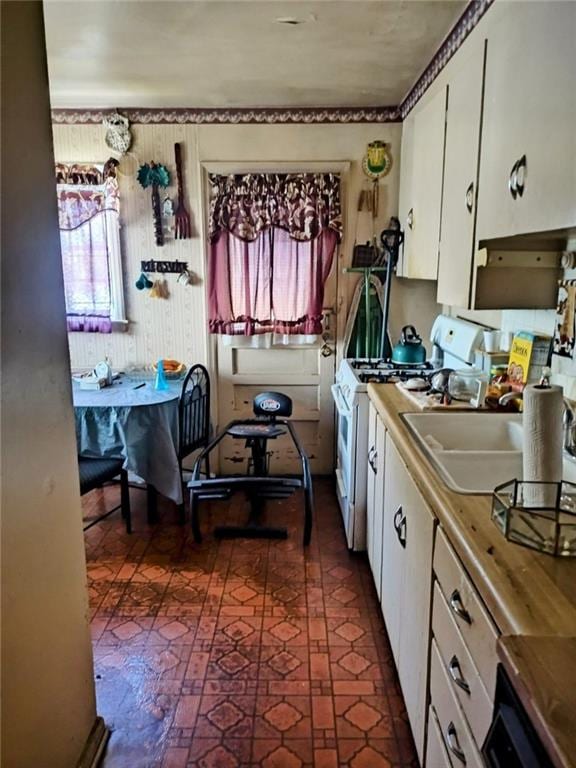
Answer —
(568, 420)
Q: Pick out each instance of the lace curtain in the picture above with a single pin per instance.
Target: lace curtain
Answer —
(88, 211)
(273, 239)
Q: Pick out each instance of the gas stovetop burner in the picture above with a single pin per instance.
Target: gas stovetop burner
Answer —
(388, 365)
(389, 376)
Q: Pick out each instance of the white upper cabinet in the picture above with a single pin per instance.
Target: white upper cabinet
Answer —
(528, 150)
(422, 162)
(460, 180)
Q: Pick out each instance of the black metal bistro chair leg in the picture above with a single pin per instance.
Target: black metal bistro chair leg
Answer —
(152, 504)
(181, 514)
(125, 500)
(308, 507)
(194, 505)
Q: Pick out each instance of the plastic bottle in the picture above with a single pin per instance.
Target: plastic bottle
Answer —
(160, 382)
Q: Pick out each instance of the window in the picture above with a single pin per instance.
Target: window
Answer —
(88, 210)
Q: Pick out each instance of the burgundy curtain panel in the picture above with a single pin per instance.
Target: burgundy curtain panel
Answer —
(272, 243)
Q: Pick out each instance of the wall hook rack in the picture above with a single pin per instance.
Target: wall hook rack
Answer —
(164, 267)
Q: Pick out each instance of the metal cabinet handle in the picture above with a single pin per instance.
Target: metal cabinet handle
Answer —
(453, 744)
(521, 175)
(402, 532)
(513, 180)
(458, 607)
(456, 674)
(470, 197)
(400, 526)
(410, 218)
(372, 455)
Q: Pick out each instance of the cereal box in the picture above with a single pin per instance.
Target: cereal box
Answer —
(529, 355)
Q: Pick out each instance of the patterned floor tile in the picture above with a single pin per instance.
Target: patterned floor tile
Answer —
(240, 654)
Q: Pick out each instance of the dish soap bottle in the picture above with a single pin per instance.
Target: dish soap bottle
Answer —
(160, 382)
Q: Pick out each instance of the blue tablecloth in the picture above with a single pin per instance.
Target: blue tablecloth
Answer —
(139, 425)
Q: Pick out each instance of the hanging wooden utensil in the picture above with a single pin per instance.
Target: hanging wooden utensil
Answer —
(182, 225)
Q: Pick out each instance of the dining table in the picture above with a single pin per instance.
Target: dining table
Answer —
(132, 420)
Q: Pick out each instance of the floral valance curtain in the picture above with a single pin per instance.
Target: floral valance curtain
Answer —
(273, 239)
(88, 210)
(302, 204)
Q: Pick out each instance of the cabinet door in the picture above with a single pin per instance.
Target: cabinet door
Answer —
(405, 201)
(421, 258)
(392, 551)
(371, 482)
(416, 539)
(378, 509)
(529, 108)
(460, 181)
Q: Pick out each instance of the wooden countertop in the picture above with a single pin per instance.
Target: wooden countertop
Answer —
(527, 593)
(541, 669)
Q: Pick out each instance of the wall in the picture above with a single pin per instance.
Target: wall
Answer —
(48, 704)
(176, 327)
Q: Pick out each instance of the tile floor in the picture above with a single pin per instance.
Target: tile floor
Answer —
(239, 654)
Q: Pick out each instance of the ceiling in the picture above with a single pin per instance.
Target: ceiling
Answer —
(235, 53)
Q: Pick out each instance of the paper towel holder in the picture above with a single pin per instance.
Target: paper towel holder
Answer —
(551, 530)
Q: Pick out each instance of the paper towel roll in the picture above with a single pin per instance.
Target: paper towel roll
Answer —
(542, 442)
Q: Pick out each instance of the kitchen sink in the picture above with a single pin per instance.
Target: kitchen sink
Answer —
(474, 452)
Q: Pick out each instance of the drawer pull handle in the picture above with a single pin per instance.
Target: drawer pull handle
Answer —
(456, 674)
(458, 607)
(410, 218)
(453, 744)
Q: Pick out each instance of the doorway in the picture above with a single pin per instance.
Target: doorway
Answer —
(304, 372)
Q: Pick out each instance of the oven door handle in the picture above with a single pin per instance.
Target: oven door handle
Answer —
(340, 402)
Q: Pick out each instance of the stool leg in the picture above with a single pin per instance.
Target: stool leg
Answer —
(125, 500)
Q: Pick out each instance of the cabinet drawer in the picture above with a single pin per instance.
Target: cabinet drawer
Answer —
(477, 628)
(455, 732)
(436, 752)
(464, 677)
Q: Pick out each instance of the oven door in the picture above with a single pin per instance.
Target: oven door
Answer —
(346, 457)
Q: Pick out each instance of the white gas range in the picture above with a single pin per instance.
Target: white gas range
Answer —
(455, 342)
(351, 399)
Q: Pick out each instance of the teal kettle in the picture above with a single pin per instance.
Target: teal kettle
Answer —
(409, 350)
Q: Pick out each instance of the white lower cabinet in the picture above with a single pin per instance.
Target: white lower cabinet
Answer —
(443, 640)
(408, 539)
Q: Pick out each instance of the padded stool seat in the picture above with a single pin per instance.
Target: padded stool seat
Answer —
(247, 431)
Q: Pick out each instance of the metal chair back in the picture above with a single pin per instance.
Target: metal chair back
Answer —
(194, 411)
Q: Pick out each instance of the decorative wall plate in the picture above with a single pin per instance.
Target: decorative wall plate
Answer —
(378, 161)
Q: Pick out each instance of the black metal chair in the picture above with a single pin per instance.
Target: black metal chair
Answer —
(258, 483)
(193, 419)
(94, 473)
